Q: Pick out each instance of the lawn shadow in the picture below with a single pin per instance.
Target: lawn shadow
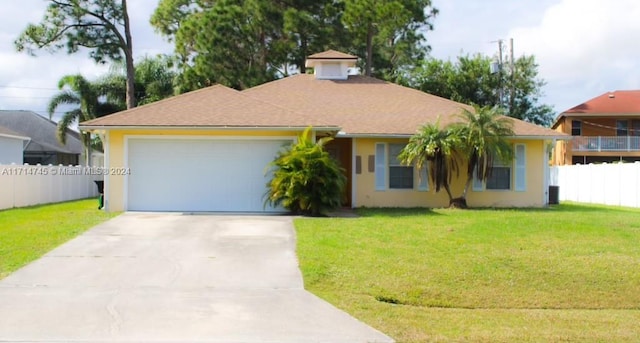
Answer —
(565, 207)
(574, 208)
(44, 205)
(395, 211)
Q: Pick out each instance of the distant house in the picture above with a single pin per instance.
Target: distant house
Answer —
(12, 145)
(604, 129)
(43, 147)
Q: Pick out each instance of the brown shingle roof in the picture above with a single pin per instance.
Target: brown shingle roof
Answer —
(363, 105)
(360, 105)
(332, 55)
(216, 106)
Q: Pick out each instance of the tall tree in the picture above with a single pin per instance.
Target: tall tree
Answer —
(232, 42)
(312, 26)
(102, 26)
(245, 43)
(483, 133)
(86, 97)
(470, 80)
(438, 148)
(389, 33)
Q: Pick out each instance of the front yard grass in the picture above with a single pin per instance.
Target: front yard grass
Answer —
(30, 232)
(567, 273)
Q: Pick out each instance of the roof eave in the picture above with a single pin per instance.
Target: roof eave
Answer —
(24, 138)
(542, 137)
(372, 135)
(406, 135)
(202, 127)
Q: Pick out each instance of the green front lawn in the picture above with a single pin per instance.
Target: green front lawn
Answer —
(568, 273)
(30, 232)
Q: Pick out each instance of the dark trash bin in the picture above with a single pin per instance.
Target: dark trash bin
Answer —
(554, 195)
(100, 185)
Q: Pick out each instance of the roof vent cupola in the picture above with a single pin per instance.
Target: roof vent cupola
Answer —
(331, 65)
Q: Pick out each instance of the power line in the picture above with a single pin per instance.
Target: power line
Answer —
(26, 87)
(40, 111)
(25, 97)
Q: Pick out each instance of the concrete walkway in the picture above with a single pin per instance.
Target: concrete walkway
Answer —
(148, 277)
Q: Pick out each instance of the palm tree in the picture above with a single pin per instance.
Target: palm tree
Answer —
(438, 147)
(306, 179)
(78, 91)
(154, 80)
(484, 134)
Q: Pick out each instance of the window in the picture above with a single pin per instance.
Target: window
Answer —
(622, 127)
(636, 128)
(400, 176)
(500, 178)
(576, 128)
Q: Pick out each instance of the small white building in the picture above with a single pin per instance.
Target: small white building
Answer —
(12, 145)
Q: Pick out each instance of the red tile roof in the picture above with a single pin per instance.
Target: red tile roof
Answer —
(616, 102)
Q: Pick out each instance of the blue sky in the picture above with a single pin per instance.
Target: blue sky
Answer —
(583, 47)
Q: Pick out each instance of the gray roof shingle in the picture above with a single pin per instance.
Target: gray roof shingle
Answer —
(42, 132)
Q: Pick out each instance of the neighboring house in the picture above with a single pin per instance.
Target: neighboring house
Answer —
(207, 150)
(604, 129)
(43, 147)
(11, 146)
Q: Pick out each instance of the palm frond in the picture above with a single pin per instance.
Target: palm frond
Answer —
(67, 119)
(62, 98)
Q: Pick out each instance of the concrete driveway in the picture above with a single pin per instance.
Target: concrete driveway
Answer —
(148, 277)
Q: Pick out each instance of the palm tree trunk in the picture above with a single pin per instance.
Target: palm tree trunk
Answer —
(369, 66)
(446, 188)
(87, 149)
(466, 187)
(128, 55)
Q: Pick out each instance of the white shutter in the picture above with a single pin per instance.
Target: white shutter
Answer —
(478, 185)
(521, 168)
(381, 167)
(423, 179)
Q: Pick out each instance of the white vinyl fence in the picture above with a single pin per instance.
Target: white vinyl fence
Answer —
(609, 184)
(25, 185)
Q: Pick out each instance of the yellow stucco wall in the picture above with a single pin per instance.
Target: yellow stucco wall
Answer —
(114, 186)
(367, 196)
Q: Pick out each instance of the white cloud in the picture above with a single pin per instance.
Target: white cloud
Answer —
(584, 48)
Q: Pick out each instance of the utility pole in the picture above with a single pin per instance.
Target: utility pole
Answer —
(512, 67)
(505, 100)
(500, 85)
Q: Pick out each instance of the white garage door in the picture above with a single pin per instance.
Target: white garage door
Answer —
(199, 174)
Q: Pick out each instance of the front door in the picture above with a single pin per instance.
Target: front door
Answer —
(340, 150)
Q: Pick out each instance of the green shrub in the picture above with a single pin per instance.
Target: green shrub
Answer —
(306, 180)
